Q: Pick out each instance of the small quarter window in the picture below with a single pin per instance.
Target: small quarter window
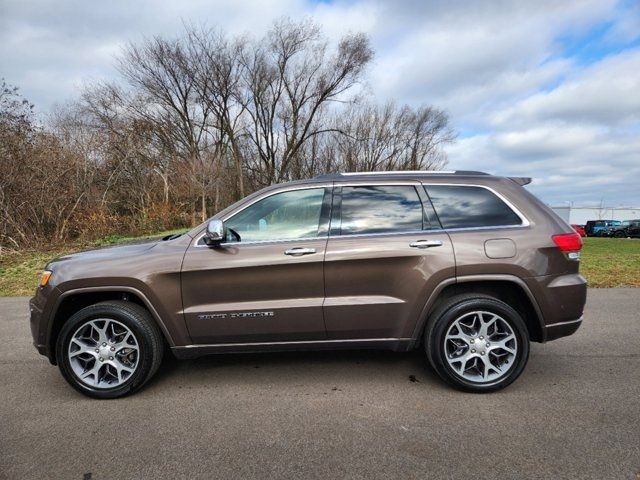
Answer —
(461, 206)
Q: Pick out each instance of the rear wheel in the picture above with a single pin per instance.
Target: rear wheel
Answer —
(477, 343)
(109, 349)
(619, 234)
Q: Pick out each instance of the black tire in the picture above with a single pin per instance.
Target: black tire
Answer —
(454, 308)
(138, 321)
(619, 234)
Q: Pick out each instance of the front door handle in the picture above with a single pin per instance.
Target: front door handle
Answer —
(426, 243)
(299, 251)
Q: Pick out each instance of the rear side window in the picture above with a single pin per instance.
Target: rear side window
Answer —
(461, 206)
(380, 209)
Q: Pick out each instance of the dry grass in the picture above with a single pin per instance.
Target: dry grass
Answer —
(20, 270)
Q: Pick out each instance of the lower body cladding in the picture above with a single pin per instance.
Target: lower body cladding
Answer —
(195, 351)
(562, 329)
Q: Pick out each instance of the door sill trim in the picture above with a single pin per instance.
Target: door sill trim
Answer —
(193, 351)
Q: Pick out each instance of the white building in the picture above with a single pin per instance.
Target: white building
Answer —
(580, 215)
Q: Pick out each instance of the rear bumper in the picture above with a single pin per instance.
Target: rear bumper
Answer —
(561, 329)
(561, 299)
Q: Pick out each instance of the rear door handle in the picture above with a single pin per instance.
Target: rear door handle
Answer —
(299, 251)
(426, 243)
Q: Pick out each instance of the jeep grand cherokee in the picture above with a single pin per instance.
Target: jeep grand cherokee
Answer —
(469, 267)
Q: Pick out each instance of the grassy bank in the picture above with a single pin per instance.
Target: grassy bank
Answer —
(19, 271)
(606, 262)
(611, 262)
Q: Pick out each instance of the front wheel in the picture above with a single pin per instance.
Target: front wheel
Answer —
(477, 343)
(109, 349)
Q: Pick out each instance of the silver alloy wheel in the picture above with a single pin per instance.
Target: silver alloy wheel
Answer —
(103, 353)
(480, 346)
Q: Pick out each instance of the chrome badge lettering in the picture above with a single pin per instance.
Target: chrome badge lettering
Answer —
(217, 316)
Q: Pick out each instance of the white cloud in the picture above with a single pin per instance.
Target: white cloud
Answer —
(499, 67)
(605, 93)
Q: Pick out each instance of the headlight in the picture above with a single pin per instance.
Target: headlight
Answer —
(44, 278)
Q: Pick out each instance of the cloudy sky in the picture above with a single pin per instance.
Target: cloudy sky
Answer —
(547, 89)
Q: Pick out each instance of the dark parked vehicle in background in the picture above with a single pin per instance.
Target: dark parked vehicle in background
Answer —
(599, 228)
(627, 228)
(467, 266)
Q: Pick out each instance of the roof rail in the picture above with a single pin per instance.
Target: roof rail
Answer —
(400, 172)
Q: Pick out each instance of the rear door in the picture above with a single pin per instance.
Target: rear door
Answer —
(386, 253)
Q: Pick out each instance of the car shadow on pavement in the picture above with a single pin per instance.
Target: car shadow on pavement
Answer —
(292, 368)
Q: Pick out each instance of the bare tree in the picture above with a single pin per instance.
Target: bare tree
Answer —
(369, 137)
(217, 71)
(197, 122)
(290, 78)
(160, 73)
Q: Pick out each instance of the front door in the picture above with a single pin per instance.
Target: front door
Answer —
(265, 284)
(386, 252)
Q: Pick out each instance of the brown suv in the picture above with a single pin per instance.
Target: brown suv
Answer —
(468, 265)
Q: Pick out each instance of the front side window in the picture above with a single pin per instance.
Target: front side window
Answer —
(460, 206)
(380, 209)
(283, 216)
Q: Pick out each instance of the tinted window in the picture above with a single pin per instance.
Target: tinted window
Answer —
(287, 215)
(380, 209)
(466, 207)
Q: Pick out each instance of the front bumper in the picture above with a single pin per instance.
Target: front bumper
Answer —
(40, 308)
(35, 322)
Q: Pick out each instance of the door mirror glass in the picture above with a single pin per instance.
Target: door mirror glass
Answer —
(215, 234)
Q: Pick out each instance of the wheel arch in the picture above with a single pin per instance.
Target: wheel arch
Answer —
(74, 300)
(508, 288)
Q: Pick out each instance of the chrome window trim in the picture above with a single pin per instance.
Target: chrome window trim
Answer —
(514, 209)
(423, 232)
(263, 242)
(525, 222)
(386, 234)
(256, 200)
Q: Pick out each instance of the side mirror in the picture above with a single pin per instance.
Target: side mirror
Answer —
(215, 234)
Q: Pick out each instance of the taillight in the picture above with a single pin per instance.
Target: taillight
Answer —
(568, 242)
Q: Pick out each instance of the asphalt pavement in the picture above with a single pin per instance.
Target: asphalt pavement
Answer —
(574, 413)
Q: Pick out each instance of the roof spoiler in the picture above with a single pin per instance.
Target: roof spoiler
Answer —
(521, 180)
